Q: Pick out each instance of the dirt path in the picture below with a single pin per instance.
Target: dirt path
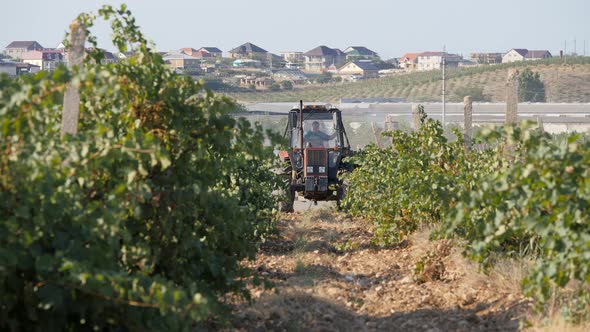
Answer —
(329, 276)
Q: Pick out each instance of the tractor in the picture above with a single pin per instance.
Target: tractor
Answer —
(314, 162)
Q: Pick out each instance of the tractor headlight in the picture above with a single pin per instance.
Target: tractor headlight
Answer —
(309, 169)
(322, 169)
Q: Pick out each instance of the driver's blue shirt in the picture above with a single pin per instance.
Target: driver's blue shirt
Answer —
(311, 135)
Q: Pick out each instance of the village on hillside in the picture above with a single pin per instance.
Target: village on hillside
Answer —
(250, 67)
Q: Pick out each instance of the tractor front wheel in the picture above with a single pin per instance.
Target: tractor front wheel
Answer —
(287, 201)
(342, 192)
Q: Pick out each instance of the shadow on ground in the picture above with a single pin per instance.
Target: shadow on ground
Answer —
(304, 312)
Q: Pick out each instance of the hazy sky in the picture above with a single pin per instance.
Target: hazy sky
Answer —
(389, 27)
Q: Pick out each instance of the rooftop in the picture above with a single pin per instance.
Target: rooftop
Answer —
(22, 44)
(248, 48)
(324, 50)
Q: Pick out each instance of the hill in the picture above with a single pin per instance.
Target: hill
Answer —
(564, 82)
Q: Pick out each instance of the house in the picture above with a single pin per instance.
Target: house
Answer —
(434, 60)
(123, 56)
(360, 52)
(293, 57)
(213, 51)
(200, 54)
(182, 62)
(188, 51)
(515, 54)
(26, 68)
(276, 61)
(293, 60)
(333, 69)
(17, 48)
(109, 58)
(394, 62)
(247, 50)
(8, 67)
(409, 61)
(522, 54)
(537, 55)
(486, 58)
(320, 58)
(45, 59)
(365, 69)
(12, 68)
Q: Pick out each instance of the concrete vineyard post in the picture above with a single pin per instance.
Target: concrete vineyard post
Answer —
(71, 111)
(540, 124)
(468, 122)
(416, 116)
(512, 97)
(376, 134)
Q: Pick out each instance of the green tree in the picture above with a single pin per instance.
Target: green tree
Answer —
(530, 86)
(287, 85)
(324, 77)
(382, 64)
(274, 86)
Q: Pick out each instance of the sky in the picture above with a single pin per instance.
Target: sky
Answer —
(389, 27)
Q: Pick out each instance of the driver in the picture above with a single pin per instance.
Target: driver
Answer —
(316, 137)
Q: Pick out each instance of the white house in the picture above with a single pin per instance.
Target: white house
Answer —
(522, 54)
(46, 59)
(409, 61)
(515, 54)
(433, 60)
(16, 49)
(359, 68)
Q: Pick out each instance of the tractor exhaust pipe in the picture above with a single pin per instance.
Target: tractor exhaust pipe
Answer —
(301, 124)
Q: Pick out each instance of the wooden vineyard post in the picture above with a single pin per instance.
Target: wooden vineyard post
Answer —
(467, 122)
(416, 116)
(512, 97)
(71, 111)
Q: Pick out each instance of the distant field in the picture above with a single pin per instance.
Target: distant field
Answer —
(564, 82)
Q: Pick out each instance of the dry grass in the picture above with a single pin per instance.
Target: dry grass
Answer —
(509, 273)
(563, 83)
(557, 324)
(364, 287)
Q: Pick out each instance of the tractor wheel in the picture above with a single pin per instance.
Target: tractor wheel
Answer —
(342, 192)
(287, 201)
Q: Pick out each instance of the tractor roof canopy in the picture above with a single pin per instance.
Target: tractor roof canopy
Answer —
(329, 121)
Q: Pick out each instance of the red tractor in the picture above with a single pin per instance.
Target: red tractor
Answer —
(314, 161)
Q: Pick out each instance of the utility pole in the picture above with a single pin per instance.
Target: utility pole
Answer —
(270, 57)
(444, 101)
